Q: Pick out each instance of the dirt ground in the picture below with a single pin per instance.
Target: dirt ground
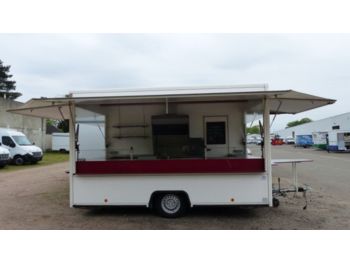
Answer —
(37, 198)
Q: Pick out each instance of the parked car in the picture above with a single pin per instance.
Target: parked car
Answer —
(20, 148)
(4, 156)
(289, 140)
(277, 141)
(254, 139)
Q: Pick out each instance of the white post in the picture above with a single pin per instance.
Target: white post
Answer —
(72, 153)
(267, 148)
(295, 176)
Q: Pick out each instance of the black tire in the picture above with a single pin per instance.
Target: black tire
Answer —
(275, 202)
(171, 205)
(18, 160)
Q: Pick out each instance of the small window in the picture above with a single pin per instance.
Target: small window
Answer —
(335, 127)
(216, 133)
(7, 141)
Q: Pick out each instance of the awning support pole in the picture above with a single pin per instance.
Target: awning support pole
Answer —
(72, 155)
(267, 148)
(278, 109)
(60, 111)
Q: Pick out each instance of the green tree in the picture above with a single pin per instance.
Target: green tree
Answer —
(7, 86)
(51, 122)
(253, 130)
(299, 122)
(63, 125)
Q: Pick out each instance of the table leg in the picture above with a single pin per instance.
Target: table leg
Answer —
(295, 176)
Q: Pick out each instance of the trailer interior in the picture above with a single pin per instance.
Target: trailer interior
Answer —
(149, 131)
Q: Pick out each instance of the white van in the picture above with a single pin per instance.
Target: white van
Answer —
(20, 148)
(4, 156)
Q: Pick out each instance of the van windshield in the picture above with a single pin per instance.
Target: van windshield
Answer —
(22, 140)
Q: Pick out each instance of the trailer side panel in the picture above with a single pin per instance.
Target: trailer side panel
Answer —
(209, 189)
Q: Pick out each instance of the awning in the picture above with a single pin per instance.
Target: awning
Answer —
(282, 101)
(41, 108)
(293, 102)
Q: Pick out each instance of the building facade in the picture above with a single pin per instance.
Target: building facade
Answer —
(33, 127)
(338, 122)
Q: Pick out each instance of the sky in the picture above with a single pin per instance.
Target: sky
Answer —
(49, 65)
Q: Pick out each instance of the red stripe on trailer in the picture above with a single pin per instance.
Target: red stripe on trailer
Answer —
(170, 166)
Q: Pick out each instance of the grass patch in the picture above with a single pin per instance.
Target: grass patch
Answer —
(48, 159)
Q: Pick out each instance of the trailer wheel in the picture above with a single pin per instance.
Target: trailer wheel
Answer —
(171, 205)
(275, 202)
(18, 160)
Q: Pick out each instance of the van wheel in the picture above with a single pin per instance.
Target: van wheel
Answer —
(171, 205)
(18, 160)
(275, 202)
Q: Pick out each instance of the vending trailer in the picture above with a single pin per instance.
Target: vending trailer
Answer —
(339, 141)
(170, 148)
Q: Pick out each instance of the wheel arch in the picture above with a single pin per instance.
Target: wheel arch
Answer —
(18, 156)
(162, 192)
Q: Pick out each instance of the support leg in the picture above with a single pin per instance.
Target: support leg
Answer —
(295, 176)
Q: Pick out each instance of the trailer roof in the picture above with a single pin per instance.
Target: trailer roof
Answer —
(282, 101)
(170, 91)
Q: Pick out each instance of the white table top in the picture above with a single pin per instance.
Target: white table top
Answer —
(286, 161)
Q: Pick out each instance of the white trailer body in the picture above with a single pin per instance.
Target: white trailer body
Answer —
(162, 147)
(201, 189)
(60, 142)
(320, 139)
(339, 140)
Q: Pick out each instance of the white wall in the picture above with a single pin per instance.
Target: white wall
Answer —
(323, 125)
(33, 127)
(48, 142)
(128, 115)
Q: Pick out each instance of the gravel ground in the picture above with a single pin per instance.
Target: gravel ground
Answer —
(37, 198)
